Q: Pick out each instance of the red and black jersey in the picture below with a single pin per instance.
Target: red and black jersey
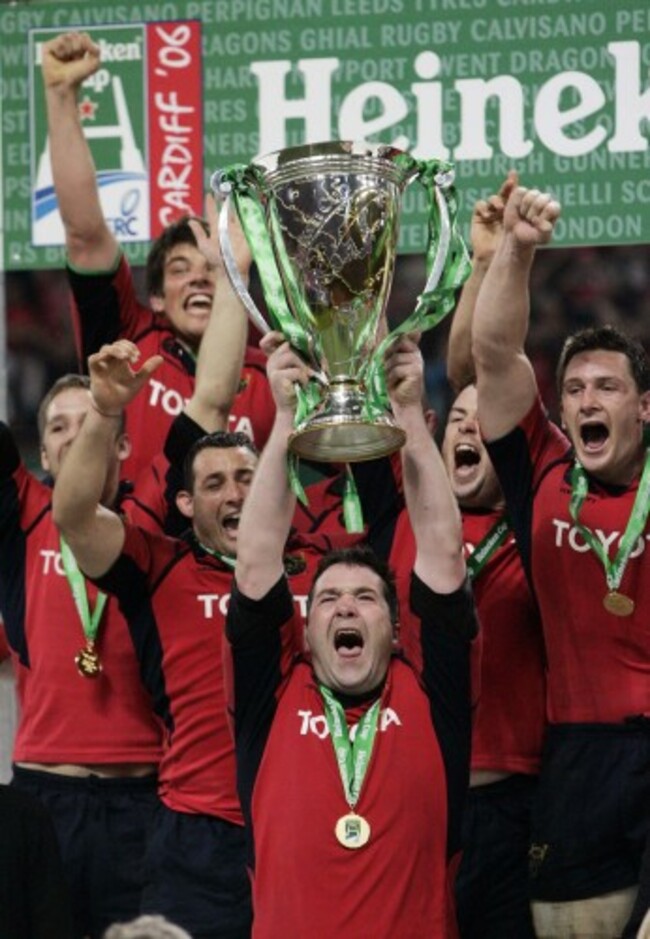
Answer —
(508, 661)
(105, 309)
(304, 882)
(174, 597)
(598, 663)
(510, 718)
(64, 717)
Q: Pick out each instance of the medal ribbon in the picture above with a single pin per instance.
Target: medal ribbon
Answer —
(484, 550)
(224, 558)
(352, 756)
(614, 569)
(89, 622)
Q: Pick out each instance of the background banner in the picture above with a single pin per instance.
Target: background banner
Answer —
(558, 89)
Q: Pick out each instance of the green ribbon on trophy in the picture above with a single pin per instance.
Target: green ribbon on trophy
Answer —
(322, 224)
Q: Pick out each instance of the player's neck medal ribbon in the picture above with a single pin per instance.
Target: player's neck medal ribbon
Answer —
(87, 659)
(614, 601)
(352, 757)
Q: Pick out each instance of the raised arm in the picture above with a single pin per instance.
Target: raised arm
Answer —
(433, 510)
(94, 532)
(223, 345)
(268, 510)
(67, 61)
(485, 231)
(504, 375)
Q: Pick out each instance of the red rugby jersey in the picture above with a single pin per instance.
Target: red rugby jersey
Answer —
(507, 657)
(598, 663)
(64, 717)
(293, 796)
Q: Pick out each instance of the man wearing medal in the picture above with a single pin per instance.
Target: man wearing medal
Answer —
(352, 759)
(578, 502)
(87, 744)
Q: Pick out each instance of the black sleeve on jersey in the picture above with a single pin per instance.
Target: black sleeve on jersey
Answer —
(129, 584)
(381, 502)
(98, 310)
(181, 436)
(448, 624)
(513, 465)
(253, 631)
(9, 455)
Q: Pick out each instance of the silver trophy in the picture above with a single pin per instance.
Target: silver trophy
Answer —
(322, 222)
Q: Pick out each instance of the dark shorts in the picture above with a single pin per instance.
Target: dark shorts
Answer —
(196, 875)
(492, 897)
(591, 813)
(102, 826)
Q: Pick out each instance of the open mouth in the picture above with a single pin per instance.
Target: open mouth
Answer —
(231, 523)
(594, 436)
(199, 303)
(348, 641)
(466, 458)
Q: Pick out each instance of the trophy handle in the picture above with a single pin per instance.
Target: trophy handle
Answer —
(442, 181)
(232, 270)
(448, 269)
(241, 289)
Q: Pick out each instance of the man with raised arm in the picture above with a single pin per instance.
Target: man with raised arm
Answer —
(353, 757)
(180, 280)
(492, 892)
(88, 743)
(578, 504)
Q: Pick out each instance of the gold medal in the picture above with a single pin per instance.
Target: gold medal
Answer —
(618, 604)
(352, 831)
(87, 662)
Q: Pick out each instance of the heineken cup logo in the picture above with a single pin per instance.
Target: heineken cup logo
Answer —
(142, 114)
(322, 222)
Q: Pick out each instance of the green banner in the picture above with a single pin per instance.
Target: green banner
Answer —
(557, 89)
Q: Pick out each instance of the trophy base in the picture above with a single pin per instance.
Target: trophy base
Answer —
(339, 433)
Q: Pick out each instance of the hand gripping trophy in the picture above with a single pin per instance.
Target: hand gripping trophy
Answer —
(322, 222)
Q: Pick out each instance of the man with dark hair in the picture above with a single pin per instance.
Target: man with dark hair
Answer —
(220, 438)
(181, 281)
(364, 556)
(578, 504)
(177, 234)
(605, 339)
(353, 758)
